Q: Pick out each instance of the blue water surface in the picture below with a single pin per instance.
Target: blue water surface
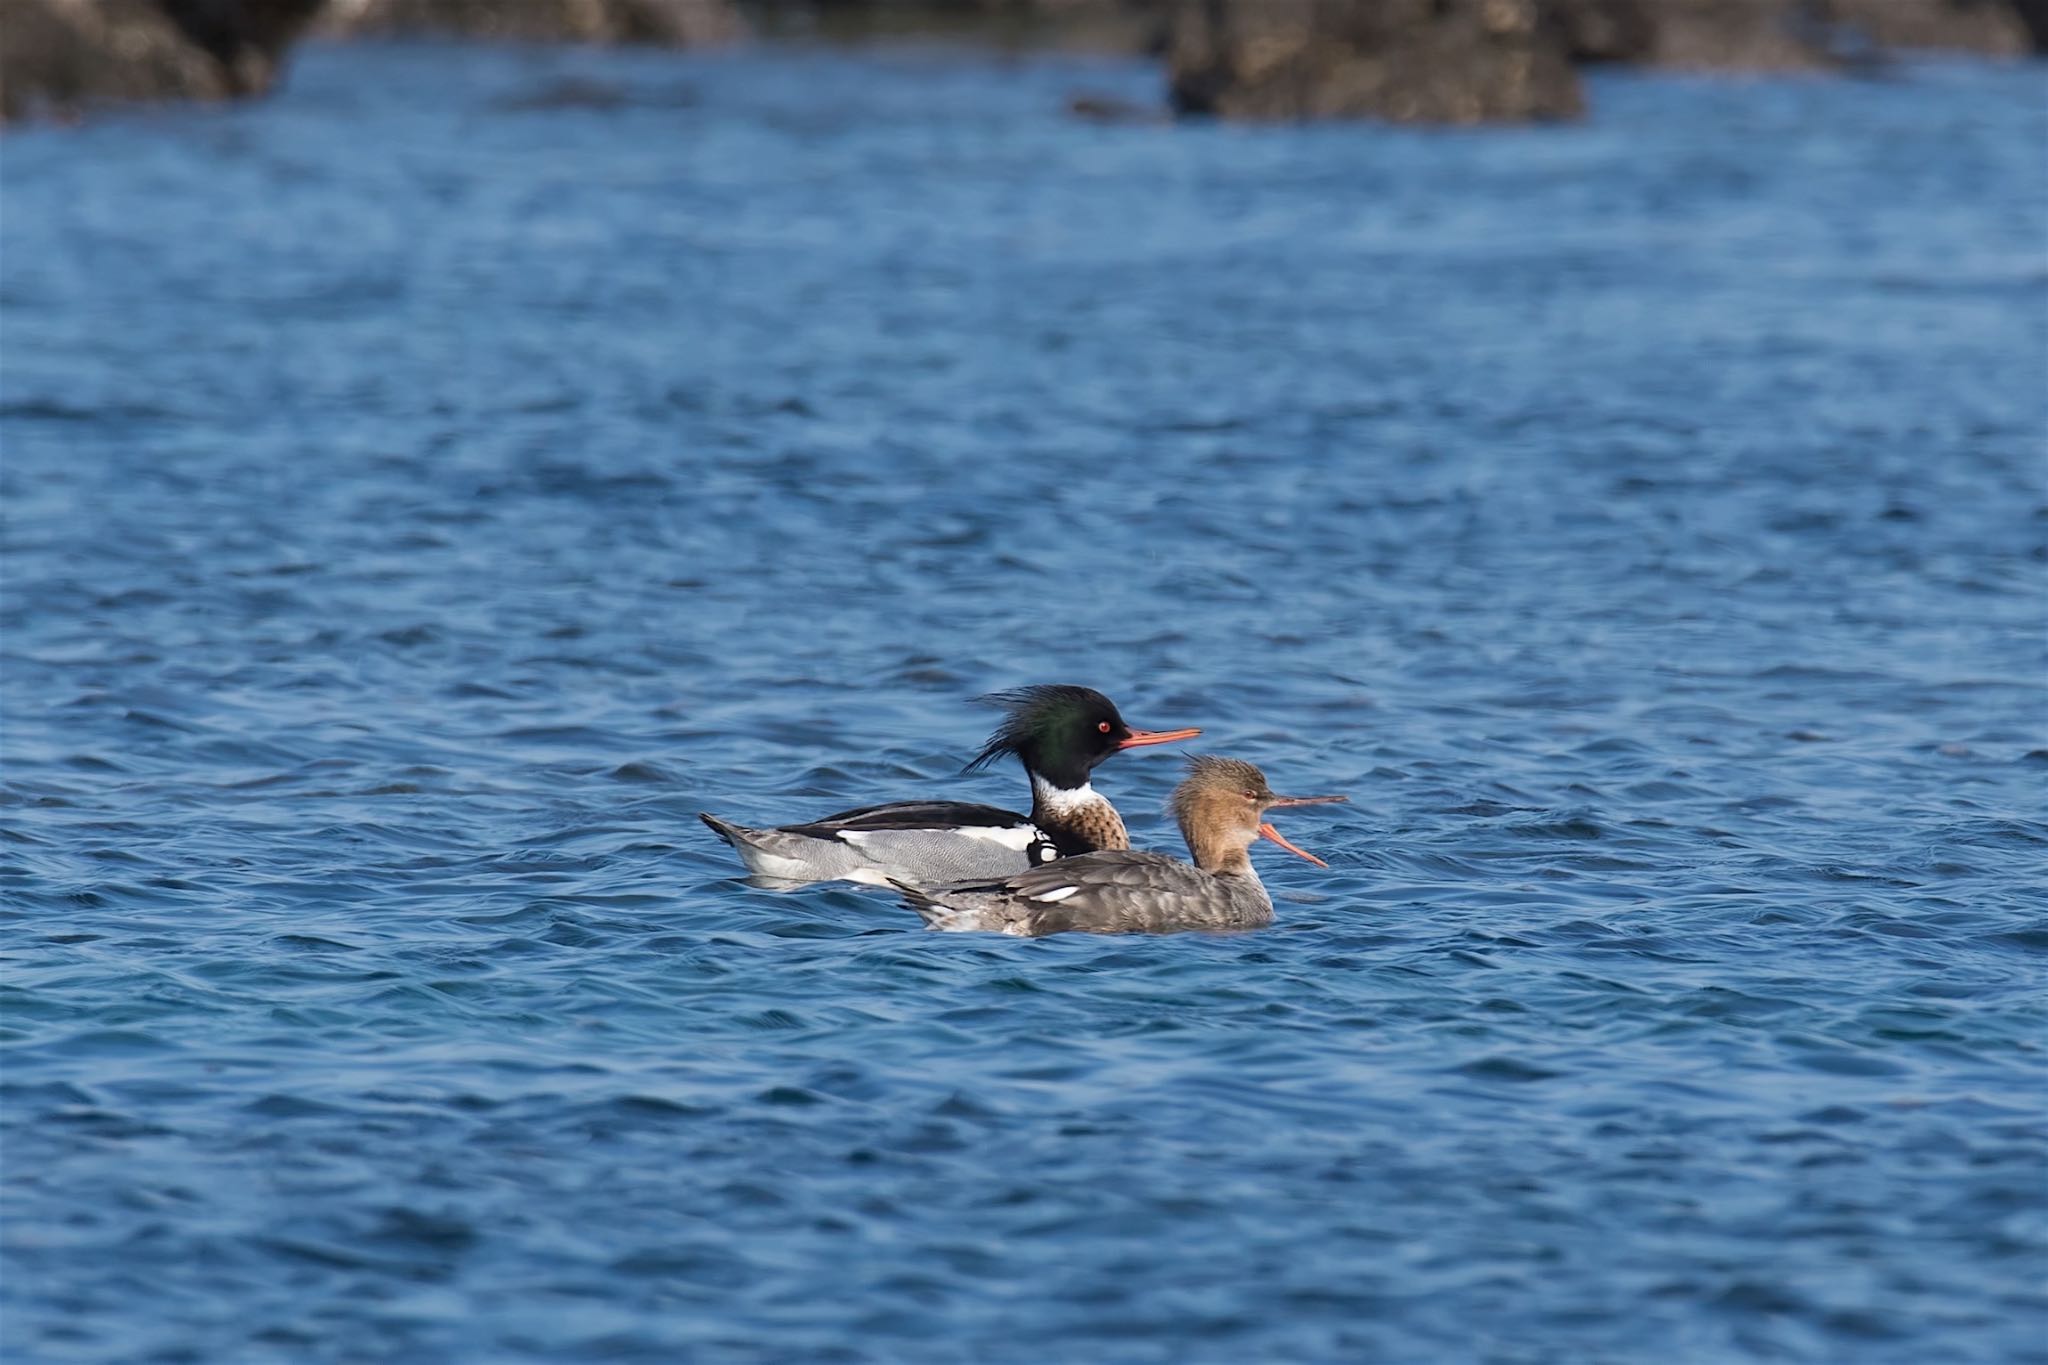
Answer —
(425, 491)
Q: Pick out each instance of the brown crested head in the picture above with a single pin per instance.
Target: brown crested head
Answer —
(1221, 806)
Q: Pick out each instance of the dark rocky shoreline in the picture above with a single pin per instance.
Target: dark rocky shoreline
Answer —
(1422, 61)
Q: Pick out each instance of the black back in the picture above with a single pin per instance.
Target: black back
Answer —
(905, 815)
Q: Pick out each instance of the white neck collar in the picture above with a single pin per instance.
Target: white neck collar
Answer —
(1061, 800)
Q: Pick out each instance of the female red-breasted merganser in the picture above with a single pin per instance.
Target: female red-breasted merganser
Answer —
(1221, 808)
(1059, 733)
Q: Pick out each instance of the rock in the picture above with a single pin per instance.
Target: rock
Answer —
(1737, 35)
(249, 38)
(1411, 61)
(1792, 35)
(672, 23)
(1993, 27)
(1702, 34)
(64, 56)
(2033, 15)
(61, 56)
(1094, 25)
(1606, 30)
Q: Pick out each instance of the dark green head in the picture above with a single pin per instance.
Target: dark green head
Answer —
(1060, 732)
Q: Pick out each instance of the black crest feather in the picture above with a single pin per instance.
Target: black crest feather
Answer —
(1033, 714)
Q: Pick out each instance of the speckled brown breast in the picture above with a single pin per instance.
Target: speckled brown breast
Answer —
(1095, 825)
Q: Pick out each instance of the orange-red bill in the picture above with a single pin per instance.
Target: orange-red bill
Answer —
(1279, 801)
(1138, 739)
(1267, 831)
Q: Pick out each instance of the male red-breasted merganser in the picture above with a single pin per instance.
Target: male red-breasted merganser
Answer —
(1221, 808)
(1058, 732)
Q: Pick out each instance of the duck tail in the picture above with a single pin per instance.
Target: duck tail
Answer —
(935, 913)
(779, 854)
(733, 834)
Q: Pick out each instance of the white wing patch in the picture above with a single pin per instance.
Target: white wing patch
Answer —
(1019, 837)
(876, 842)
(1058, 893)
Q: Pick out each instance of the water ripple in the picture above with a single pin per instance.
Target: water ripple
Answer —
(1641, 521)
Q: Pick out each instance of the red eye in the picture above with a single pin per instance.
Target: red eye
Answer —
(1251, 796)
(1103, 726)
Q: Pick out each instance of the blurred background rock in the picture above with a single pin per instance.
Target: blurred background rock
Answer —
(61, 56)
(1436, 61)
(1098, 25)
(1416, 61)
(674, 23)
